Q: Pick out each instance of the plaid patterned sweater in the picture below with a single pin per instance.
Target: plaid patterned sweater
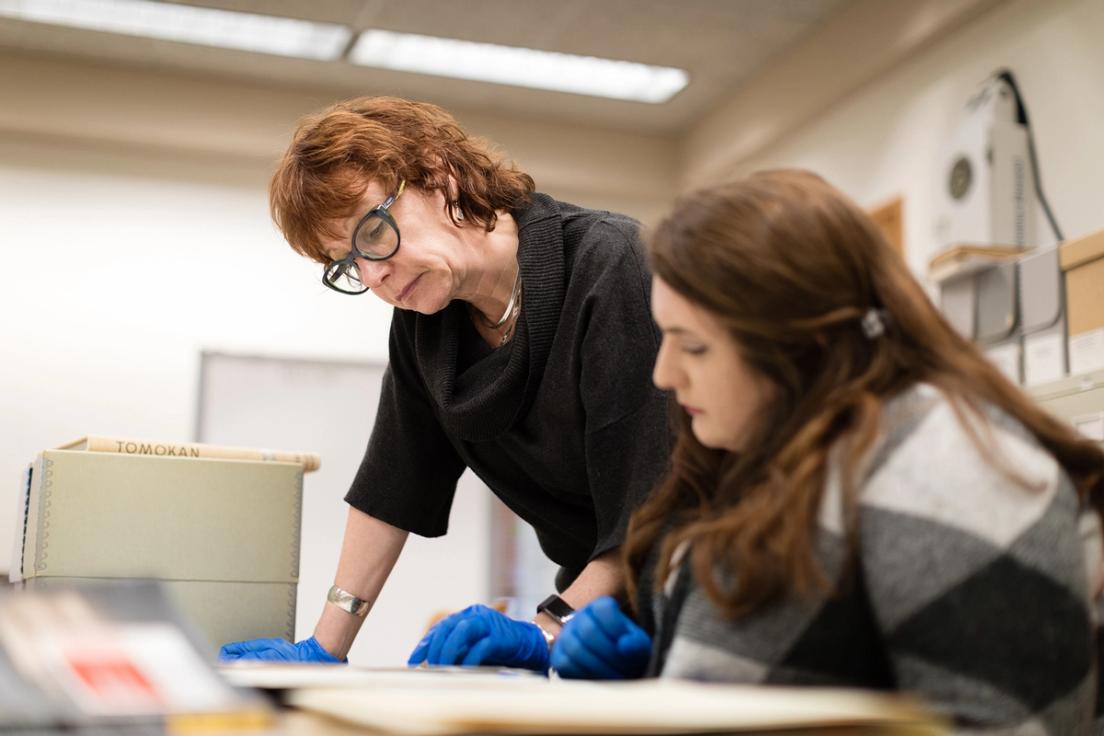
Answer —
(969, 590)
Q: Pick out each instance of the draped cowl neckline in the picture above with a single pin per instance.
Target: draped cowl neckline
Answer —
(487, 398)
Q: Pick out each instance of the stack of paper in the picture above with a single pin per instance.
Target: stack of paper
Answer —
(446, 703)
(965, 260)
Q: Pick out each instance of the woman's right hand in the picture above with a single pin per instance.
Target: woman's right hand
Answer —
(277, 650)
(601, 643)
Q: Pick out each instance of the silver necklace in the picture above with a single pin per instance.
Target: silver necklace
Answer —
(509, 331)
(510, 305)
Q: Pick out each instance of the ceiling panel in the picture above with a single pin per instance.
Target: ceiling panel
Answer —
(721, 43)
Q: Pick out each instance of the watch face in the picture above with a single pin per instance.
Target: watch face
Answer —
(556, 607)
(962, 176)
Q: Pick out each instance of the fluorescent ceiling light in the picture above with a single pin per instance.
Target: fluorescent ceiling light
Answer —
(485, 62)
(246, 31)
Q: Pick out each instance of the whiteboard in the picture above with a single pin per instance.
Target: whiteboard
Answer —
(328, 407)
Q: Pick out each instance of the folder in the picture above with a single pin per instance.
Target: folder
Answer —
(1042, 313)
(635, 708)
(1040, 293)
(997, 318)
(958, 302)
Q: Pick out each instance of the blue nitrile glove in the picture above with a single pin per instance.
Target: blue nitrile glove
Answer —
(480, 635)
(277, 650)
(601, 643)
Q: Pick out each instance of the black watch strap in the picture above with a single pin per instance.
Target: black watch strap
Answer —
(557, 609)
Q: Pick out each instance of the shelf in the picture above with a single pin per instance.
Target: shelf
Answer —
(1068, 386)
(1078, 400)
(965, 260)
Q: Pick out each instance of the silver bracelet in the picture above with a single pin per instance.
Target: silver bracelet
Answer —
(348, 602)
(549, 637)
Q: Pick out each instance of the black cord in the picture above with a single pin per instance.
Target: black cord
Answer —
(1021, 117)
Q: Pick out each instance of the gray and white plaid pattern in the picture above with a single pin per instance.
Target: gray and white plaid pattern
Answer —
(970, 590)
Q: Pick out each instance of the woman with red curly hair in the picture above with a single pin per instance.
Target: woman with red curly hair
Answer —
(520, 347)
(857, 497)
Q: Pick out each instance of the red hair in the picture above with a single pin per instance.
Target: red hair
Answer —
(334, 154)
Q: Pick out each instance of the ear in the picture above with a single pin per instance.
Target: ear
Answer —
(454, 212)
(453, 188)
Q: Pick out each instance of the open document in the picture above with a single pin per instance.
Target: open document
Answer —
(497, 702)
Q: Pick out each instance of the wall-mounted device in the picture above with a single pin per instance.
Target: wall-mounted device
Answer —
(987, 195)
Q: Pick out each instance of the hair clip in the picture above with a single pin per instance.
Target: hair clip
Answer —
(874, 323)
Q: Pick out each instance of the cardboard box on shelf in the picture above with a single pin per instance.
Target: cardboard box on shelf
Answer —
(1082, 263)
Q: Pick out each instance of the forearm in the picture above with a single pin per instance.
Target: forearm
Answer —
(368, 554)
(602, 576)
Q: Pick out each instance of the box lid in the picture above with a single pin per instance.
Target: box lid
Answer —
(1073, 253)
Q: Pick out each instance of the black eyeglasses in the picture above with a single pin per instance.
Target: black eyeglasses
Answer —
(375, 237)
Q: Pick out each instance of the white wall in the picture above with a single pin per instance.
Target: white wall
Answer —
(229, 124)
(885, 140)
(329, 407)
(117, 270)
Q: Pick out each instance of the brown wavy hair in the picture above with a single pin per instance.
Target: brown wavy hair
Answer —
(789, 266)
(335, 153)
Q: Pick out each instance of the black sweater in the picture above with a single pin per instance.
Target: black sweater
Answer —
(563, 423)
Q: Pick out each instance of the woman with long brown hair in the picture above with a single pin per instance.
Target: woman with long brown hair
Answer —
(857, 496)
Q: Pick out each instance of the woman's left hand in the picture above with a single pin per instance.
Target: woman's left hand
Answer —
(482, 636)
(601, 643)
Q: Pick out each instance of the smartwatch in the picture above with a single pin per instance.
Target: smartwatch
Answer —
(557, 609)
